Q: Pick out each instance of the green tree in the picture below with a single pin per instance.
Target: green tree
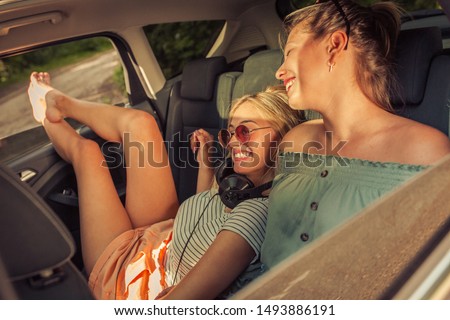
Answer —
(176, 43)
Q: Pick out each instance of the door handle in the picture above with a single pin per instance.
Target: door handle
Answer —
(53, 17)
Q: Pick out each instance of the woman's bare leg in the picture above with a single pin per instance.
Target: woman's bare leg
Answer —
(102, 215)
(151, 195)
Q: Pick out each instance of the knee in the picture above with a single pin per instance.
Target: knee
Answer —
(88, 150)
(141, 121)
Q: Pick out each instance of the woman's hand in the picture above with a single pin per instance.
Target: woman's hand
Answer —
(201, 144)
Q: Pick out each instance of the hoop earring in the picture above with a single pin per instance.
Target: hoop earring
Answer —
(330, 66)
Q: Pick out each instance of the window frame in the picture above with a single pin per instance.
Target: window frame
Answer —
(135, 92)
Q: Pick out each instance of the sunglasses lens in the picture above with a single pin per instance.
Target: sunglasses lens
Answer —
(224, 137)
(242, 133)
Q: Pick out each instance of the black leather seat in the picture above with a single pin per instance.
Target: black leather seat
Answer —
(423, 71)
(192, 106)
(35, 247)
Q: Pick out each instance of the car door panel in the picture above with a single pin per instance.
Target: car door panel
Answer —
(54, 180)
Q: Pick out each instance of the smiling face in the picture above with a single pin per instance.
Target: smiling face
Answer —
(304, 71)
(252, 158)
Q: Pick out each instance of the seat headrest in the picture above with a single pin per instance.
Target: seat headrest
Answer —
(259, 72)
(199, 78)
(32, 238)
(414, 53)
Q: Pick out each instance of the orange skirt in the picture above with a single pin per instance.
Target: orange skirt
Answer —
(133, 264)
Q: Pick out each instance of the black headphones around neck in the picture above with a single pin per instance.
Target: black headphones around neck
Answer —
(235, 188)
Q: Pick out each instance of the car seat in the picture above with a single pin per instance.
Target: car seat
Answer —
(423, 72)
(258, 73)
(192, 105)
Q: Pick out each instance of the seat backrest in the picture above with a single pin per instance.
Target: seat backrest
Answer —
(258, 73)
(192, 105)
(35, 246)
(423, 72)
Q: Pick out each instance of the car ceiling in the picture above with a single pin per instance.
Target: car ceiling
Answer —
(73, 18)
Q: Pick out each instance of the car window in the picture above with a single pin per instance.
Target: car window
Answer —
(406, 4)
(284, 7)
(418, 14)
(176, 43)
(88, 69)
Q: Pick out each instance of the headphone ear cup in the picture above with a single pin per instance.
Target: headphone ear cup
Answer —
(235, 188)
(224, 170)
(230, 187)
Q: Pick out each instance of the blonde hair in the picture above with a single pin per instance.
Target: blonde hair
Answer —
(373, 34)
(273, 104)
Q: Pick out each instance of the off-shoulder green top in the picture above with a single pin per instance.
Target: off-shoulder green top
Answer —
(313, 193)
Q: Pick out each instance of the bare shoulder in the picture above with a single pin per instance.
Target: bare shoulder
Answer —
(298, 137)
(421, 143)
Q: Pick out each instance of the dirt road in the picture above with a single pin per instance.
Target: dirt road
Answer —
(90, 79)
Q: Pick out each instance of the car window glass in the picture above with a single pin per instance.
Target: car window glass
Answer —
(419, 13)
(176, 43)
(87, 69)
(405, 4)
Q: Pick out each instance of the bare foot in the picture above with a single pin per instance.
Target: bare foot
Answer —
(43, 98)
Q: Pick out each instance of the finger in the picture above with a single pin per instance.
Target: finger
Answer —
(194, 142)
(202, 133)
(201, 139)
(207, 137)
(205, 133)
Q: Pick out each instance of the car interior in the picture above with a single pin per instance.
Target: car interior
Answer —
(40, 251)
